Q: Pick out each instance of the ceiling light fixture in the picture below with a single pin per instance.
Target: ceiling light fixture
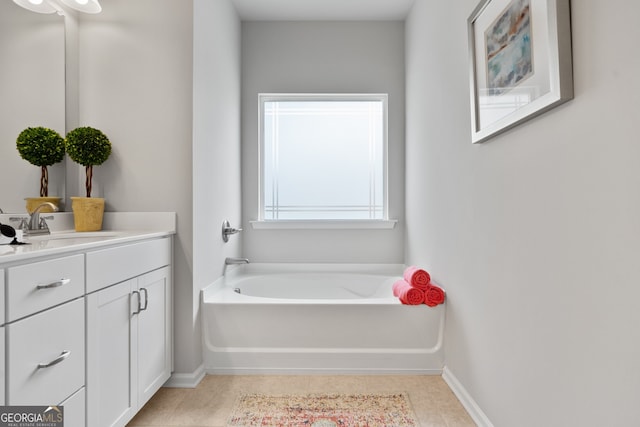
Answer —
(86, 6)
(52, 6)
(39, 6)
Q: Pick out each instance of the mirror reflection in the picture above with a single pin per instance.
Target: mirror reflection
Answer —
(32, 93)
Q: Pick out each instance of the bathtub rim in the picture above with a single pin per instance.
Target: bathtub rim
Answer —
(226, 282)
(293, 267)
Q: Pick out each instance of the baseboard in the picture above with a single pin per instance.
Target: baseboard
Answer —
(311, 361)
(478, 416)
(313, 371)
(190, 380)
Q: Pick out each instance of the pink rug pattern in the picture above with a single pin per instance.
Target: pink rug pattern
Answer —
(323, 410)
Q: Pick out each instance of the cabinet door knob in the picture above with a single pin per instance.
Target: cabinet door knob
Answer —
(55, 284)
(55, 361)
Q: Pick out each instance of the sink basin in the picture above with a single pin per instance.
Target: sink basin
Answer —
(77, 235)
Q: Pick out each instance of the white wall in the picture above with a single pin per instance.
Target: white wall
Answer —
(216, 144)
(534, 234)
(162, 80)
(324, 57)
(136, 68)
(32, 74)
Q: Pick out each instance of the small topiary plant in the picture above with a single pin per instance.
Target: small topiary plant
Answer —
(42, 147)
(89, 147)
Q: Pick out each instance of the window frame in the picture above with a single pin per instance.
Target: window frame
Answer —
(385, 222)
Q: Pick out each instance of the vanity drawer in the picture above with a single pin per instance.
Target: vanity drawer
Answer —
(114, 265)
(74, 409)
(1, 296)
(40, 285)
(41, 340)
(2, 374)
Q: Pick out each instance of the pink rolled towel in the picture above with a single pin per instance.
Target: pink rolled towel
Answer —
(417, 277)
(407, 294)
(434, 295)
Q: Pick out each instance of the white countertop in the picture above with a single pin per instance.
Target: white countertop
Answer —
(118, 228)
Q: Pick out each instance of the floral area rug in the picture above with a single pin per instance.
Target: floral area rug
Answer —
(323, 410)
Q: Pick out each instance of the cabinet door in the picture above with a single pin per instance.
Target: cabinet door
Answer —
(112, 355)
(154, 332)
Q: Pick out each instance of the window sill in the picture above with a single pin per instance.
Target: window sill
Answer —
(356, 224)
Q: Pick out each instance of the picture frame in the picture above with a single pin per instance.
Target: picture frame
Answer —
(520, 62)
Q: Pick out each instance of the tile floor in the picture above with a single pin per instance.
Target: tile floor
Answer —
(210, 404)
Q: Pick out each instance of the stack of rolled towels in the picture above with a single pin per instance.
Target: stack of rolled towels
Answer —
(416, 288)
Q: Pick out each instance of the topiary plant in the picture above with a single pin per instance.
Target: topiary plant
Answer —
(42, 147)
(89, 147)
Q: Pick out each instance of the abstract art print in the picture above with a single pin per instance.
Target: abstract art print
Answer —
(520, 62)
(508, 45)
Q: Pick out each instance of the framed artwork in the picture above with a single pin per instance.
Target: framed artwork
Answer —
(520, 62)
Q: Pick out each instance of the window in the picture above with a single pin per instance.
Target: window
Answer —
(323, 157)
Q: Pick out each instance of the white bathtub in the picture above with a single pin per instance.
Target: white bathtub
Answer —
(317, 318)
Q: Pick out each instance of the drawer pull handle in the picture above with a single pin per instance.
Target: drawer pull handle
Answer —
(55, 361)
(55, 284)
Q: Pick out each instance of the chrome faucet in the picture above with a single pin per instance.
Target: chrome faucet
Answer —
(231, 261)
(36, 224)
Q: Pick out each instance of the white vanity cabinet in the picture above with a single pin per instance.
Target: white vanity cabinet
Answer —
(129, 349)
(2, 374)
(2, 402)
(86, 323)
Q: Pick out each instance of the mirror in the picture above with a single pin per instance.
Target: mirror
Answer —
(32, 93)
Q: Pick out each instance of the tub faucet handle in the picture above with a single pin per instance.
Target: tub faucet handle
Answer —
(227, 230)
